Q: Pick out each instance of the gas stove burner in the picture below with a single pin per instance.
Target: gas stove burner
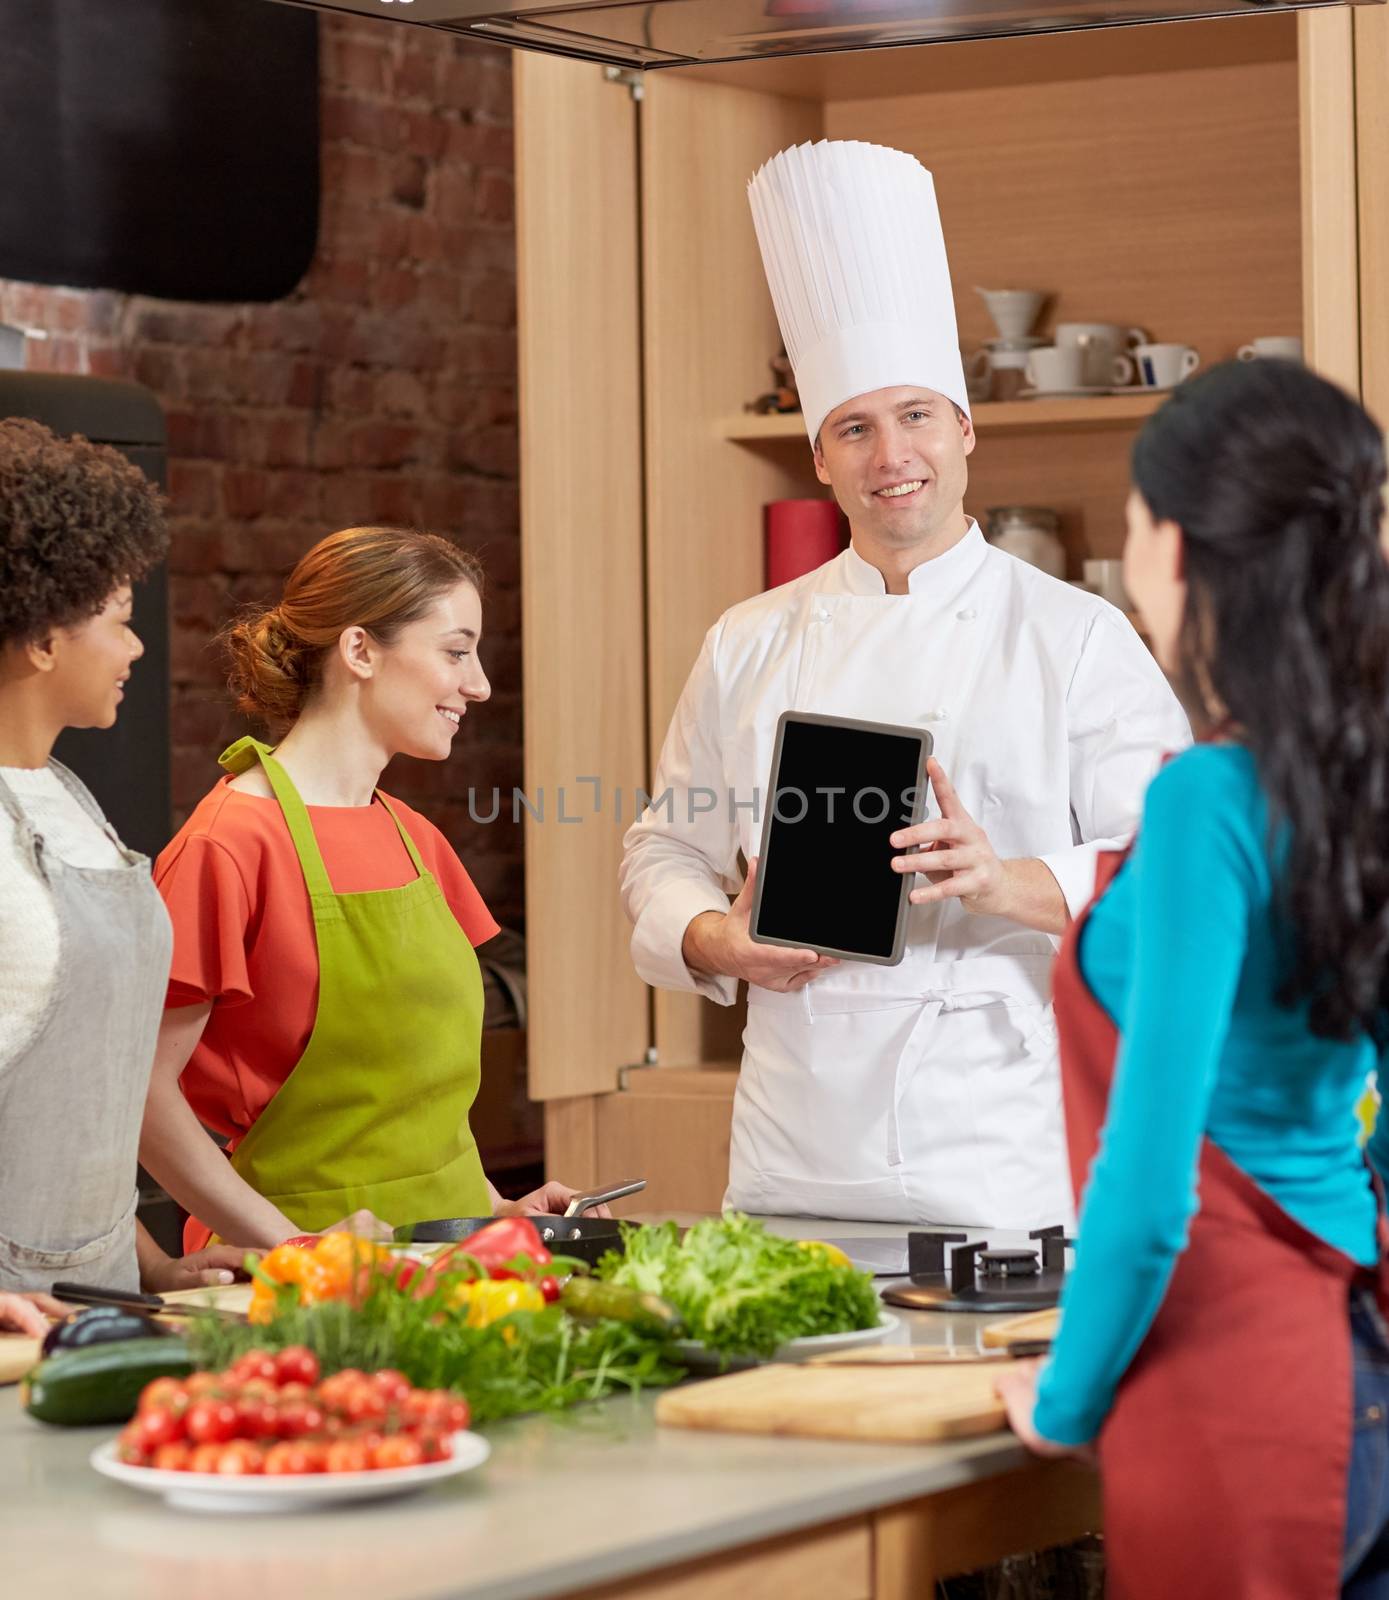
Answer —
(949, 1272)
(1009, 1263)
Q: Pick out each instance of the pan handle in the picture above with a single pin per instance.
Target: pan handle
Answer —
(583, 1202)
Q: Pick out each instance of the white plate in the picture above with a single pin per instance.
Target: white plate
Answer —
(206, 1491)
(699, 1358)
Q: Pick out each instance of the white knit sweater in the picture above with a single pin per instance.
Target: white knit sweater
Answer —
(28, 919)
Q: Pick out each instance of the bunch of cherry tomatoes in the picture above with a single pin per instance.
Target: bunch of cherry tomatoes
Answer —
(269, 1413)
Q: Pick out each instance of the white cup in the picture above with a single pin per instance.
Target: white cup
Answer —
(1106, 579)
(1163, 366)
(1055, 368)
(11, 348)
(1103, 344)
(1280, 346)
(1013, 310)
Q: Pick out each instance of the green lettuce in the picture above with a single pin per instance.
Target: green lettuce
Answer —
(740, 1289)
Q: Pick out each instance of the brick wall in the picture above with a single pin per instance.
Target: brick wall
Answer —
(383, 389)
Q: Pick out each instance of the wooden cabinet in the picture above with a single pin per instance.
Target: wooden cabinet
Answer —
(1207, 181)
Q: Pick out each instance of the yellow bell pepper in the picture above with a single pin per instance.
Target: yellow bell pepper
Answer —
(486, 1300)
(831, 1254)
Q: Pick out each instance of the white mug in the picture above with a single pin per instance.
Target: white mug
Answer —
(1106, 578)
(1280, 346)
(1102, 343)
(1056, 368)
(1163, 366)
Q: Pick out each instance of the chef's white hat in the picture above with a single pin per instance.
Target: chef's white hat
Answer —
(855, 259)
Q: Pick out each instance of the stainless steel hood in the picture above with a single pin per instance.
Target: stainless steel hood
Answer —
(675, 33)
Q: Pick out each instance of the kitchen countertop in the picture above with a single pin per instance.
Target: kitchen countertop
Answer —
(594, 1495)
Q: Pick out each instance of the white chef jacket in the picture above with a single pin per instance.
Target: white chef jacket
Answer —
(928, 1091)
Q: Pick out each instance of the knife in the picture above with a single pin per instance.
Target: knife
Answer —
(147, 1305)
(928, 1355)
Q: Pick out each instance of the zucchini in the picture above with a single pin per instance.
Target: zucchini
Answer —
(591, 1301)
(101, 1382)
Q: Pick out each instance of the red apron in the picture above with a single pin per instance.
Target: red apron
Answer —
(1224, 1458)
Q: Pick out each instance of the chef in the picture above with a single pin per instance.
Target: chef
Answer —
(929, 1090)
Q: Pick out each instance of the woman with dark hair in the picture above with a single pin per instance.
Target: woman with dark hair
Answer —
(325, 1004)
(84, 941)
(1219, 1007)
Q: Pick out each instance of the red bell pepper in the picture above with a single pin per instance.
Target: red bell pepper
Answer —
(507, 1248)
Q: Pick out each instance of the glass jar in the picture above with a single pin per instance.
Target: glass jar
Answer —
(1031, 533)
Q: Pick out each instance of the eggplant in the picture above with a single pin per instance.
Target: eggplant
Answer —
(99, 1325)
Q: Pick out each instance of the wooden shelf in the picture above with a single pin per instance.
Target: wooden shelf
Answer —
(1011, 416)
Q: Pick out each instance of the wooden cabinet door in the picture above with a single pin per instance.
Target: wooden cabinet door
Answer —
(583, 609)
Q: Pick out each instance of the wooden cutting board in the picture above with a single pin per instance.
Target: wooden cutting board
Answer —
(226, 1297)
(18, 1352)
(1035, 1325)
(900, 1405)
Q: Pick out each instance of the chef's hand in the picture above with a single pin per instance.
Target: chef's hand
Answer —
(550, 1200)
(720, 944)
(1017, 1389)
(206, 1268)
(29, 1313)
(953, 852)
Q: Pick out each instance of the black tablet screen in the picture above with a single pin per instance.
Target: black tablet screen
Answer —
(838, 795)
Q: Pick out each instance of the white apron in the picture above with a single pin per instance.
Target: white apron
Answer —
(929, 1090)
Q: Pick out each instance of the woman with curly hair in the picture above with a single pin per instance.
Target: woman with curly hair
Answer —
(325, 1005)
(1223, 1341)
(84, 939)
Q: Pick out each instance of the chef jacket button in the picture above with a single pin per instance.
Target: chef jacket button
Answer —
(967, 615)
(822, 614)
(939, 715)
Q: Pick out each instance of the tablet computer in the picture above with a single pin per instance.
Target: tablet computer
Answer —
(839, 789)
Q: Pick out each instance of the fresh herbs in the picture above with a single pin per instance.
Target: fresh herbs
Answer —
(740, 1289)
(527, 1361)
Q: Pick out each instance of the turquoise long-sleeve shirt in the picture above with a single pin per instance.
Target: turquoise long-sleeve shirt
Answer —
(1182, 954)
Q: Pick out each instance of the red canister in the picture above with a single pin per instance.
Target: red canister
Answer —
(802, 535)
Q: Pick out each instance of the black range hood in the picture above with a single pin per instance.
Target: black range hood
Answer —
(676, 33)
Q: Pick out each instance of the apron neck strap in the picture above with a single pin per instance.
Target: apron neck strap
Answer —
(243, 755)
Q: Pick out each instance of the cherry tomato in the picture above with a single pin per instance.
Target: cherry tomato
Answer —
(427, 1407)
(157, 1426)
(163, 1392)
(363, 1403)
(240, 1458)
(390, 1384)
(400, 1450)
(436, 1446)
(296, 1365)
(205, 1458)
(331, 1390)
(211, 1421)
(202, 1383)
(174, 1457)
(549, 1287)
(347, 1455)
(129, 1449)
(457, 1416)
(257, 1417)
(299, 1417)
(293, 1456)
(254, 1364)
(295, 1391)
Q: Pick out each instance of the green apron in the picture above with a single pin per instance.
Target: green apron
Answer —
(374, 1114)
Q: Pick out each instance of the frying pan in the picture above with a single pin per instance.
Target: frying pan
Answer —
(573, 1234)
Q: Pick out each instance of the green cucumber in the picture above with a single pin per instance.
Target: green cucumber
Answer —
(592, 1301)
(101, 1382)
